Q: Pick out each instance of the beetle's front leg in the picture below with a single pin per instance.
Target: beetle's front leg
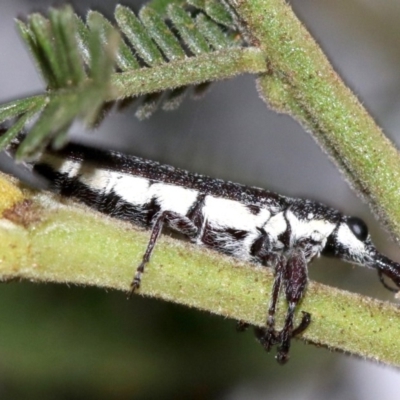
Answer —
(294, 280)
(268, 336)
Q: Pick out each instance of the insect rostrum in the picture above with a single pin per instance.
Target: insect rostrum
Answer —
(249, 223)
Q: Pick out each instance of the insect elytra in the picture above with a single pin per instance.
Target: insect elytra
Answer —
(249, 223)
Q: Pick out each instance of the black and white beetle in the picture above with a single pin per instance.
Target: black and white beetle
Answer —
(245, 222)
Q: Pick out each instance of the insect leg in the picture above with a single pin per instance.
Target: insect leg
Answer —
(261, 252)
(305, 322)
(275, 295)
(268, 336)
(294, 281)
(242, 326)
(175, 221)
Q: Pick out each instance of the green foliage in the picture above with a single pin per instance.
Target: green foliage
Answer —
(75, 90)
(81, 64)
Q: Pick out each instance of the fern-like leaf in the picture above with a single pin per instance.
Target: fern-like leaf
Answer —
(88, 65)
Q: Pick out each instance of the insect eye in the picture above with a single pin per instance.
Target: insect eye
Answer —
(358, 227)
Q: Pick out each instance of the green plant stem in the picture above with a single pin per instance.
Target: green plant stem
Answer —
(208, 67)
(203, 68)
(301, 82)
(47, 242)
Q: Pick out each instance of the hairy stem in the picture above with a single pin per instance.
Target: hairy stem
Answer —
(218, 65)
(300, 81)
(37, 236)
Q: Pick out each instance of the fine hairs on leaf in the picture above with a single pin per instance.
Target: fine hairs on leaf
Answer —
(159, 55)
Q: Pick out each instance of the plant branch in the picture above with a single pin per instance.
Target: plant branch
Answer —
(207, 67)
(301, 82)
(44, 241)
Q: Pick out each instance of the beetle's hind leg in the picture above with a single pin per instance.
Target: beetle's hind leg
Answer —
(175, 221)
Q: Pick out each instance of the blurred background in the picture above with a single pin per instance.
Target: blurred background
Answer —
(74, 343)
